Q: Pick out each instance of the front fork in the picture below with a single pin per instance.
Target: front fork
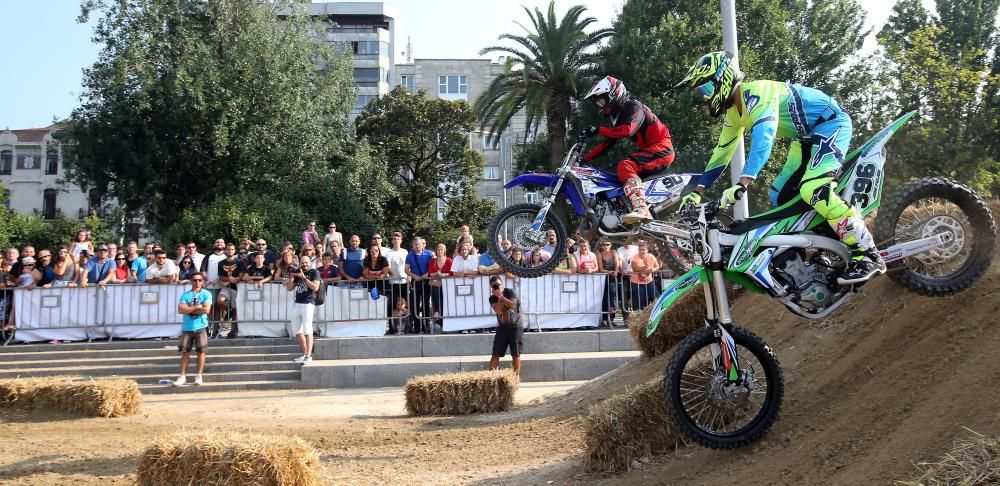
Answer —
(717, 305)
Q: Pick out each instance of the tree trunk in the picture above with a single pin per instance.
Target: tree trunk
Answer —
(555, 121)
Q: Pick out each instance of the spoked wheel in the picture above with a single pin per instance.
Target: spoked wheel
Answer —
(938, 207)
(711, 410)
(514, 224)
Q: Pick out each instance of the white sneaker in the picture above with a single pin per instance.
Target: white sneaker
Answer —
(198, 380)
(309, 359)
(300, 359)
(180, 381)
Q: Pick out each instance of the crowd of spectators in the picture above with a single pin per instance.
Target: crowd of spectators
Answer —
(411, 278)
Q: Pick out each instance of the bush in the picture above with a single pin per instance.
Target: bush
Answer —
(30, 229)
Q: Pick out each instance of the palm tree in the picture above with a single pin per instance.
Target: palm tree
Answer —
(550, 64)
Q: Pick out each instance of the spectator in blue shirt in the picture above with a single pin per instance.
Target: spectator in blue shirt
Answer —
(194, 306)
(138, 272)
(352, 266)
(98, 270)
(418, 263)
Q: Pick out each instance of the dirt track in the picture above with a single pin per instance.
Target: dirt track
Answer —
(890, 379)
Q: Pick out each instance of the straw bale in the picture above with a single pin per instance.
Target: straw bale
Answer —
(627, 427)
(684, 317)
(971, 461)
(229, 458)
(461, 393)
(93, 398)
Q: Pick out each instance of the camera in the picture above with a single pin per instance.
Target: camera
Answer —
(294, 269)
(496, 286)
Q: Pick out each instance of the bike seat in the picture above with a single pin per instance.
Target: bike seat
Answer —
(791, 208)
(665, 170)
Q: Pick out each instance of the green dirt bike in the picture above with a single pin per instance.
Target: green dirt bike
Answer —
(723, 384)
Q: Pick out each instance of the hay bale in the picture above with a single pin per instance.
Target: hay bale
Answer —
(687, 315)
(972, 461)
(93, 398)
(461, 393)
(627, 427)
(229, 458)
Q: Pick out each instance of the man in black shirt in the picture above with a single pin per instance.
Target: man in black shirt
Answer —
(230, 272)
(510, 332)
(305, 283)
(257, 271)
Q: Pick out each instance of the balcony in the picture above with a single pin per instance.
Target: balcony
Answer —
(101, 212)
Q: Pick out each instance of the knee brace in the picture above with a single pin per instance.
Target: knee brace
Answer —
(819, 193)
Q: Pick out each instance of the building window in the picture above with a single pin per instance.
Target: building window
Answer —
(406, 81)
(442, 208)
(367, 77)
(362, 101)
(49, 204)
(6, 162)
(93, 202)
(531, 197)
(491, 173)
(52, 162)
(490, 141)
(453, 84)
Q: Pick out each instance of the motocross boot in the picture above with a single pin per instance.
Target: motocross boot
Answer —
(640, 210)
(866, 262)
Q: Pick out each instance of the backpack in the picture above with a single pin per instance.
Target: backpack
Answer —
(320, 297)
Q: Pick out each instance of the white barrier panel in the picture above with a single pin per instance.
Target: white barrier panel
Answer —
(367, 317)
(562, 301)
(468, 297)
(263, 311)
(155, 306)
(64, 312)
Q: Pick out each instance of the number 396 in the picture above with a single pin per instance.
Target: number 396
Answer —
(863, 184)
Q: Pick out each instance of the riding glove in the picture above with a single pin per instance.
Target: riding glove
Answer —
(729, 196)
(691, 198)
(590, 131)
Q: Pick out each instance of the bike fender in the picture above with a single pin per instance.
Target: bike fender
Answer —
(568, 191)
(694, 277)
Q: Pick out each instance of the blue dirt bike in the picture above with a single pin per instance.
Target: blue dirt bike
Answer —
(598, 198)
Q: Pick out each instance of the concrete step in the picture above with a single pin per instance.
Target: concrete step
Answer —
(141, 369)
(218, 387)
(375, 373)
(434, 345)
(139, 344)
(143, 360)
(230, 377)
(57, 353)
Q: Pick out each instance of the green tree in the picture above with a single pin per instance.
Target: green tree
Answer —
(423, 147)
(466, 209)
(191, 100)
(552, 63)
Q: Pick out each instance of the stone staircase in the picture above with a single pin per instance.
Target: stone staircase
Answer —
(266, 363)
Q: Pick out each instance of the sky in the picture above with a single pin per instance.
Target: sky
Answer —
(46, 49)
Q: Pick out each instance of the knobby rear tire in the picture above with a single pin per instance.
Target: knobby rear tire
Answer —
(982, 224)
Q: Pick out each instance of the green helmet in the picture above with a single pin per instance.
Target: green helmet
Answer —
(713, 77)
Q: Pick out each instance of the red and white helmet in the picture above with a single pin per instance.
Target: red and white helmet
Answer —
(612, 91)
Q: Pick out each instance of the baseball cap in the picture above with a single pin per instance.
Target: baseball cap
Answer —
(28, 261)
(102, 247)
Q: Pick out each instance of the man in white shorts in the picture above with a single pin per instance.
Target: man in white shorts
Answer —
(304, 281)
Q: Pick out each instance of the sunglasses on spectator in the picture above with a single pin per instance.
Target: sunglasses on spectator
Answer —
(186, 262)
(197, 280)
(243, 253)
(333, 227)
(191, 247)
(120, 259)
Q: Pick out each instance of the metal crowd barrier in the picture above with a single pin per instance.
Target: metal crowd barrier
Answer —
(457, 304)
